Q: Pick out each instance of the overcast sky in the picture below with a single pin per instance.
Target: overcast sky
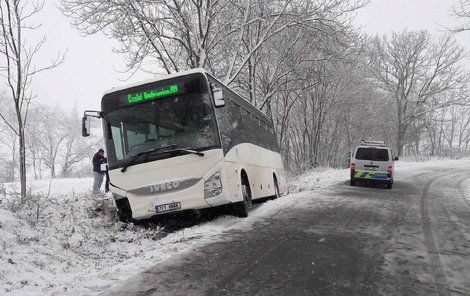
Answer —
(91, 66)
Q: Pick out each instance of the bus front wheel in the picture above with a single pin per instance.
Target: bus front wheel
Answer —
(241, 208)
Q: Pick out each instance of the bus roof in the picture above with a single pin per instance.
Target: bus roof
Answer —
(178, 74)
(243, 100)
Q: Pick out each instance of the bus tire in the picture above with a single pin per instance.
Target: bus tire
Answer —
(123, 210)
(389, 185)
(241, 208)
(276, 188)
(124, 217)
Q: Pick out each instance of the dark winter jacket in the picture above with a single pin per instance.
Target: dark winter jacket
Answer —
(97, 161)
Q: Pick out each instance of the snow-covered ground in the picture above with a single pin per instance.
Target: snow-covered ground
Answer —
(65, 241)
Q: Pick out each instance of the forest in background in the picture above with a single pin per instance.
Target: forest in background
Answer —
(325, 84)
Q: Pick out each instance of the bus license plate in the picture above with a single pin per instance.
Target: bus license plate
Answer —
(168, 207)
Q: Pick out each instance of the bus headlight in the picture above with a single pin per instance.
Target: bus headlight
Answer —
(213, 186)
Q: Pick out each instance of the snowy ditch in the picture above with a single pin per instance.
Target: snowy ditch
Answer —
(65, 240)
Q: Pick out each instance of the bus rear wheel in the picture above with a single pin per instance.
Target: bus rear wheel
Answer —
(276, 189)
(241, 208)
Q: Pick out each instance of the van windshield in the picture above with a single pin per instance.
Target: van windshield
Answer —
(374, 154)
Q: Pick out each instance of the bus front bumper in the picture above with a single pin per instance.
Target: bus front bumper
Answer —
(193, 198)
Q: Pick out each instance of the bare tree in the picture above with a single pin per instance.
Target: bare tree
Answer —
(461, 10)
(52, 132)
(464, 129)
(414, 71)
(176, 34)
(223, 36)
(302, 63)
(75, 148)
(18, 68)
(8, 140)
(34, 152)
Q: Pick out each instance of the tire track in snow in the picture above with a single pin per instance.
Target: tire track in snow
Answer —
(459, 234)
(453, 217)
(462, 192)
(441, 281)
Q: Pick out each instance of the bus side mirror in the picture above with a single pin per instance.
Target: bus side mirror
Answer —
(218, 96)
(396, 158)
(85, 126)
(86, 120)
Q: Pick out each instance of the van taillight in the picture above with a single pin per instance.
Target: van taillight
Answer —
(390, 170)
(353, 166)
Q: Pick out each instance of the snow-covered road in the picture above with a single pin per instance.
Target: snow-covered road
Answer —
(342, 240)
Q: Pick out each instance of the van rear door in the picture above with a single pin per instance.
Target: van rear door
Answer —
(372, 159)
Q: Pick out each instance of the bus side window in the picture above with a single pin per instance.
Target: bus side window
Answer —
(235, 116)
(230, 122)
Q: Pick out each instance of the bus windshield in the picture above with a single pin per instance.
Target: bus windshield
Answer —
(183, 120)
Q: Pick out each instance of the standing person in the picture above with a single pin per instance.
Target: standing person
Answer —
(98, 173)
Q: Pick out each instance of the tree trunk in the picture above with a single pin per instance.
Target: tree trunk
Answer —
(53, 169)
(13, 158)
(401, 130)
(22, 160)
(400, 140)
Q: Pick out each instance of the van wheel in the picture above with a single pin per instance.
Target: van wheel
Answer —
(240, 209)
(389, 185)
(276, 189)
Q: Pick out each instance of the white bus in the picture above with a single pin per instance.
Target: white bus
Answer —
(186, 142)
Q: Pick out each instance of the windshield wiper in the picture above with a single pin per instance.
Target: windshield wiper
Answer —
(167, 149)
(188, 151)
(135, 157)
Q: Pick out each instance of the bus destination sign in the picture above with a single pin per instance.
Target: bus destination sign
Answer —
(152, 94)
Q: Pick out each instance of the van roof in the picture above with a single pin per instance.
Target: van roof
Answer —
(373, 143)
(372, 146)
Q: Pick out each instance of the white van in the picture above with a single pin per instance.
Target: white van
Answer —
(372, 160)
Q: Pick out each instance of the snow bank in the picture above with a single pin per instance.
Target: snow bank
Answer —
(404, 165)
(59, 245)
(318, 178)
(70, 244)
(66, 241)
